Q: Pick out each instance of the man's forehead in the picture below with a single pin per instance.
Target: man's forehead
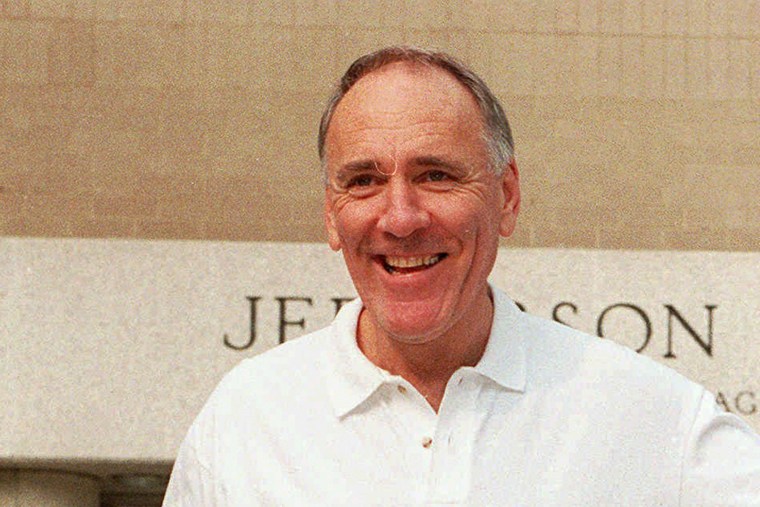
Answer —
(403, 111)
(407, 90)
(390, 84)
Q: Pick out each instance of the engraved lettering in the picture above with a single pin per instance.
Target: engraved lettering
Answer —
(706, 345)
(284, 322)
(252, 338)
(636, 310)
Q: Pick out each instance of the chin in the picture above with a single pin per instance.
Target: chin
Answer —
(411, 326)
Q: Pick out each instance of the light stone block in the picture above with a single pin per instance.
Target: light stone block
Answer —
(485, 16)
(145, 55)
(632, 69)
(653, 17)
(719, 64)
(236, 12)
(71, 54)
(15, 8)
(676, 72)
(610, 65)
(699, 19)
(738, 73)
(315, 12)
(23, 51)
(698, 76)
(610, 17)
(720, 18)
(546, 16)
(49, 8)
(588, 17)
(567, 16)
(631, 19)
(436, 40)
(63, 9)
(509, 62)
(676, 17)
(427, 15)
(653, 73)
(149, 11)
(274, 12)
(372, 14)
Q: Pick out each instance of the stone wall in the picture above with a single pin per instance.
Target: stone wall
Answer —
(636, 121)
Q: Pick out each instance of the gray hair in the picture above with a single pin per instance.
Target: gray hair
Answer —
(497, 134)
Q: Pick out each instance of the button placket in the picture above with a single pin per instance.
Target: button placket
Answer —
(450, 480)
(417, 424)
(406, 419)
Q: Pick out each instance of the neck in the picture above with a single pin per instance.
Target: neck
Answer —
(429, 363)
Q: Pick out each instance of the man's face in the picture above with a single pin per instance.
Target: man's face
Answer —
(412, 202)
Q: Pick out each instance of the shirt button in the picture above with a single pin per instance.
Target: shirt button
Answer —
(427, 442)
(401, 389)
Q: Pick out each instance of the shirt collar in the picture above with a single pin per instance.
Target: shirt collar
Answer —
(504, 360)
(351, 378)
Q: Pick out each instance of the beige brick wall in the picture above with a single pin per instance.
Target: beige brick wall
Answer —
(637, 121)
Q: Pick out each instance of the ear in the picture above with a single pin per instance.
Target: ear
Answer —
(510, 184)
(333, 239)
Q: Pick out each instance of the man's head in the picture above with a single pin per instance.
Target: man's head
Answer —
(416, 197)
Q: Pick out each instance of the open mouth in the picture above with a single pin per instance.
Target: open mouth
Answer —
(404, 265)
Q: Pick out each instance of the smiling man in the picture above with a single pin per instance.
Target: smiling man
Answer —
(432, 388)
(416, 202)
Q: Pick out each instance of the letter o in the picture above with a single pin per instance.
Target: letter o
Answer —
(639, 311)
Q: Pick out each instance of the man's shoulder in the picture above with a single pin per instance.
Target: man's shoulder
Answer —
(559, 353)
(296, 360)
(265, 390)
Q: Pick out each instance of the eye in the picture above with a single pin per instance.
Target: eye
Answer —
(437, 176)
(436, 179)
(362, 180)
(363, 185)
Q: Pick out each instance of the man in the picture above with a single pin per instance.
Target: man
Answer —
(433, 388)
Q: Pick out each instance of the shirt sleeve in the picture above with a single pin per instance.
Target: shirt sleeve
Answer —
(722, 459)
(191, 483)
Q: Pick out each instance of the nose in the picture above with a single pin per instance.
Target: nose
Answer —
(403, 214)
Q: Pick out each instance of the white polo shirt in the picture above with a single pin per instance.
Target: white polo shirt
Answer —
(549, 416)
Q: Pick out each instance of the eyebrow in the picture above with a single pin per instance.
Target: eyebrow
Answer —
(363, 165)
(432, 161)
(357, 166)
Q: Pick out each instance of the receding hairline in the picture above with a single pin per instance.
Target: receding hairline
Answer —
(496, 129)
(414, 69)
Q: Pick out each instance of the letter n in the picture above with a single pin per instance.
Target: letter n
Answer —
(704, 344)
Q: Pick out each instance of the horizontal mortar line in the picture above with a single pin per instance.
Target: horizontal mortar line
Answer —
(455, 30)
(578, 33)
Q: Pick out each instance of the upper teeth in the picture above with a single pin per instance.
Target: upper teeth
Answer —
(412, 262)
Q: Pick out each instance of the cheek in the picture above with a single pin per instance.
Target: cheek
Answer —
(481, 235)
(469, 220)
(359, 213)
(352, 224)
